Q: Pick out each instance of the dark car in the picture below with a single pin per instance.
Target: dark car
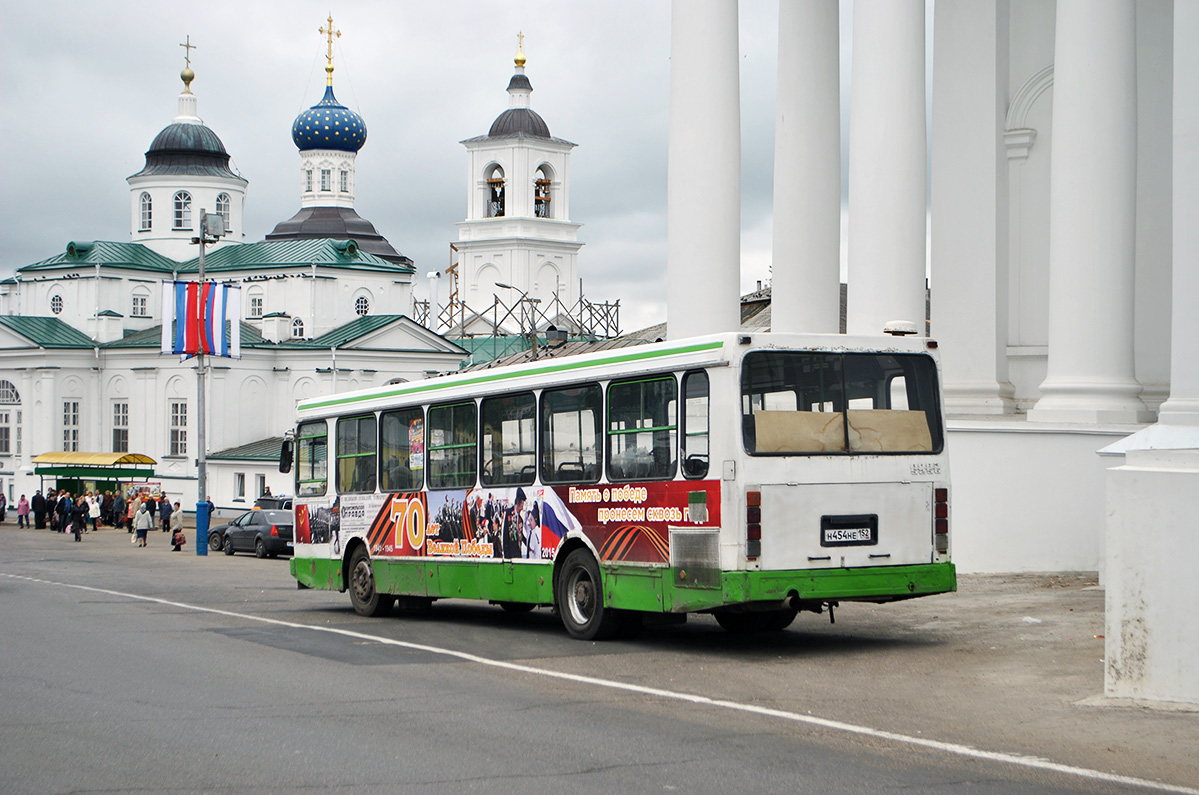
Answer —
(278, 503)
(265, 533)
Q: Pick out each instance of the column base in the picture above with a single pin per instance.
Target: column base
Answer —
(1096, 404)
(979, 398)
(1179, 411)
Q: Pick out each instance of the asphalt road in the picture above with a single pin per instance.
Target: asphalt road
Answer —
(142, 670)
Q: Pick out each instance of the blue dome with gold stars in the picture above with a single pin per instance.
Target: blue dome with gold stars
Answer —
(329, 125)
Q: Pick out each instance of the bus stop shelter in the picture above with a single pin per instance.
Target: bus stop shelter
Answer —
(78, 472)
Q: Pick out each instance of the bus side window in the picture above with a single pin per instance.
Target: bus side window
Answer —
(695, 424)
(642, 429)
(453, 457)
(356, 446)
(509, 442)
(571, 434)
(402, 450)
(312, 459)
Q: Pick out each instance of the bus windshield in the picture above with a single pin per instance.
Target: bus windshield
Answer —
(815, 403)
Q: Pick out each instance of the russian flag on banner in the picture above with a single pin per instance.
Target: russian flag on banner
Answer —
(199, 311)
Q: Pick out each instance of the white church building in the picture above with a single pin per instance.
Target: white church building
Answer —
(325, 306)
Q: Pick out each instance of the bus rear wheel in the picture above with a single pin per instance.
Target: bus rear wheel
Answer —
(580, 598)
(764, 621)
(364, 595)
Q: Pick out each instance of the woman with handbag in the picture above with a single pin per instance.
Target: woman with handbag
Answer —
(177, 529)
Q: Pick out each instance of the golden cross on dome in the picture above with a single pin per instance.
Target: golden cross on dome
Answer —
(329, 33)
(520, 49)
(187, 50)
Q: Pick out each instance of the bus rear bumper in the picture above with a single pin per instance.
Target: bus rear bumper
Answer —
(668, 590)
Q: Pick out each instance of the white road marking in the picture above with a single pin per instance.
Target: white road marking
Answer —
(951, 748)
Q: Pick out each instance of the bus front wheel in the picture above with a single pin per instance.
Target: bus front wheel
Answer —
(580, 599)
(364, 595)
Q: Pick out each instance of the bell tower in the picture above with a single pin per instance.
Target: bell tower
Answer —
(518, 230)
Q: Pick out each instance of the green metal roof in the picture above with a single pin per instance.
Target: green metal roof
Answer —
(134, 256)
(262, 450)
(47, 332)
(290, 254)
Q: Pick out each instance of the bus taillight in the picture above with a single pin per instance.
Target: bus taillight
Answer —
(753, 524)
(941, 520)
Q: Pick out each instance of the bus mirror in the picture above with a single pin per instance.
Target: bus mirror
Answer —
(285, 456)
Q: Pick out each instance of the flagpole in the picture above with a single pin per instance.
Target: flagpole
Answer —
(203, 506)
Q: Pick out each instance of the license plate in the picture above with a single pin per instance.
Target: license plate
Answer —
(849, 530)
(289, 543)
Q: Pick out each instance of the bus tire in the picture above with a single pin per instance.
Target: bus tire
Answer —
(580, 598)
(781, 619)
(364, 595)
(743, 622)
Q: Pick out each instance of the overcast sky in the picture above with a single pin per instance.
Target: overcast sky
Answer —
(88, 85)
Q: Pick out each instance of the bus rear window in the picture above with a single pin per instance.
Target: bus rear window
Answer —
(800, 403)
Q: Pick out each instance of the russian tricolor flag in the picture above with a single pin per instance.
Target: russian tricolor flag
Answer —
(199, 311)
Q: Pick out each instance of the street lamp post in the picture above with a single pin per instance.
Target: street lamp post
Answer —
(526, 299)
(213, 225)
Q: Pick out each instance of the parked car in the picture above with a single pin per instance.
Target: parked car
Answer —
(268, 502)
(265, 533)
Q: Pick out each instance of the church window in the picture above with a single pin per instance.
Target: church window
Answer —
(70, 426)
(5, 443)
(495, 193)
(255, 302)
(147, 212)
(8, 393)
(178, 427)
(308, 181)
(541, 194)
(56, 304)
(120, 427)
(326, 179)
(362, 305)
(345, 181)
(222, 208)
(141, 304)
(297, 329)
(183, 210)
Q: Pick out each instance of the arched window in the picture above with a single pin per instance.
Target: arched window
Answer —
(222, 208)
(362, 305)
(141, 302)
(8, 394)
(541, 192)
(297, 329)
(56, 304)
(495, 192)
(147, 212)
(255, 296)
(183, 210)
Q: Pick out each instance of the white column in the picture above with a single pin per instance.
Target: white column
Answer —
(703, 223)
(1092, 217)
(887, 161)
(969, 204)
(1182, 407)
(806, 277)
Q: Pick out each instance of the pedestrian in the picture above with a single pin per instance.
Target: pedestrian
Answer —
(177, 528)
(131, 512)
(62, 511)
(39, 510)
(165, 513)
(152, 506)
(118, 510)
(23, 512)
(3, 506)
(93, 511)
(106, 509)
(142, 524)
(79, 517)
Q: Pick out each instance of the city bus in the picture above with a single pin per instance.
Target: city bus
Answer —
(749, 476)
